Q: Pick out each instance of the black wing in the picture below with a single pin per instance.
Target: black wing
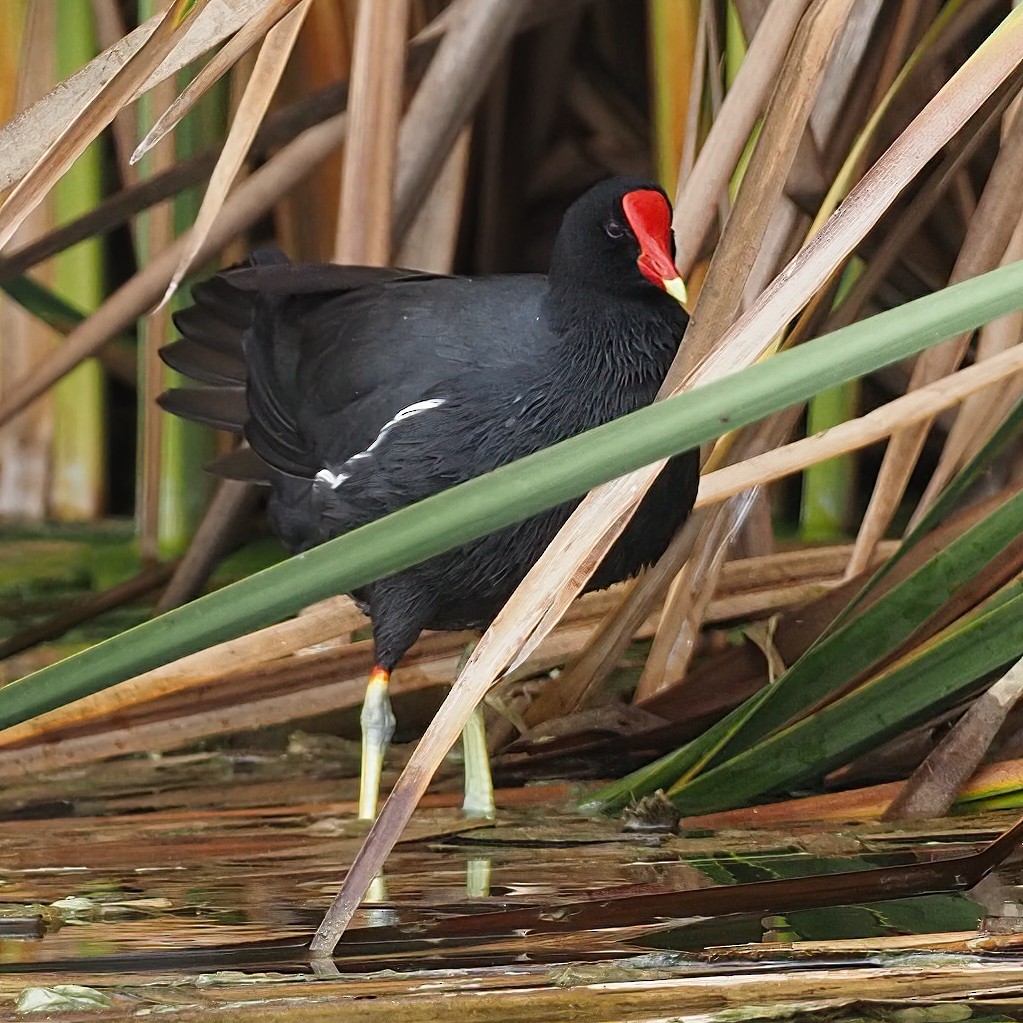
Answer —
(327, 355)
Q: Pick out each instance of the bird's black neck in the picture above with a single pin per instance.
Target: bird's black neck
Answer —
(630, 338)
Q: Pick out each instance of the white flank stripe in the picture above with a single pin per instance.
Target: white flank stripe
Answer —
(333, 480)
(336, 479)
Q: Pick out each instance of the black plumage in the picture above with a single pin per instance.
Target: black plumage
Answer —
(361, 390)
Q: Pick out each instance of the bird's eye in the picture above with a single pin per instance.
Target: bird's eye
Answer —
(613, 229)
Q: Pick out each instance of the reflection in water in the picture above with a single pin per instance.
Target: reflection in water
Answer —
(477, 877)
(198, 882)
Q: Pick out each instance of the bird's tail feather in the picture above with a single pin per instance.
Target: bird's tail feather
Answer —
(235, 340)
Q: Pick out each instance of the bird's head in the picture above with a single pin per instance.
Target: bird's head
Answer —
(616, 238)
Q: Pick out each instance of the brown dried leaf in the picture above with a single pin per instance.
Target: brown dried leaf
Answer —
(697, 194)
(244, 206)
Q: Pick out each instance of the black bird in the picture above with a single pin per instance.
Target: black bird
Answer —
(361, 390)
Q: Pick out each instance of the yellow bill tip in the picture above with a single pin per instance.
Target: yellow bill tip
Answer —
(676, 287)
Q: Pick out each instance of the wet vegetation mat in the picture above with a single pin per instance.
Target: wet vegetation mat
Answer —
(192, 884)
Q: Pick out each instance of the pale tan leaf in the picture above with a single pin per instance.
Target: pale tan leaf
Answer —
(259, 91)
(25, 138)
(761, 634)
(249, 201)
(222, 61)
(98, 113)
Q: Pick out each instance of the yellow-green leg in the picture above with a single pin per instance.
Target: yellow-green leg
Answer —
(377, 728)
(479, 785)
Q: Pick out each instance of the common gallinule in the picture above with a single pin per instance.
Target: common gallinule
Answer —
(361, 390)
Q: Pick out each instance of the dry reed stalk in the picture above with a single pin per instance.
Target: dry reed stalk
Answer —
(466, 58)
(374, 106)
(913, 407)
(785, 122)
(90, 607)
(583, 677)
(998, 212)
(687, 601)
(747, 587)
(321, 622)
(760, 603)
(230, 505)
(433, 235)
(260, 668)
(25, 138)
(792, 565)
(861, 36)
(100, 109)
(697, 195)
(692, 587)
(934, 786)
(694, 100)
(909, 221)
(156, 234)
(26, 445)
(979, 416)
(249, 201)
